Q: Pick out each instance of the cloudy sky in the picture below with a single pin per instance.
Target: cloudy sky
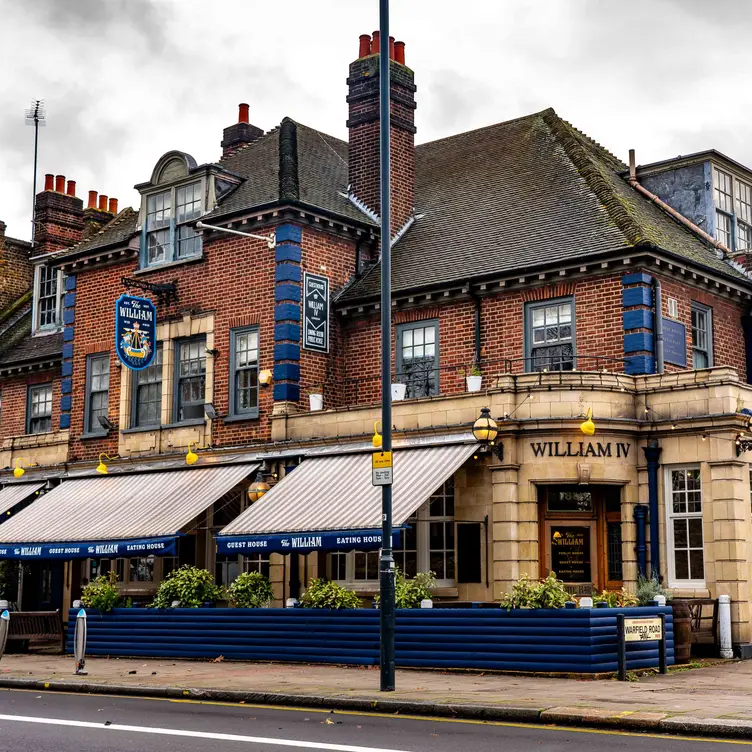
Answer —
(126, 80)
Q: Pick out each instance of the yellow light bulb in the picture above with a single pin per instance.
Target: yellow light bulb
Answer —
(587, 426)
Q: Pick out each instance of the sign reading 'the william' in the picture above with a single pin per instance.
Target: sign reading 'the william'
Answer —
(135, 331)
(315, 313)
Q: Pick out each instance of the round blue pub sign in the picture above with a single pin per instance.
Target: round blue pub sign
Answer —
(135, 331)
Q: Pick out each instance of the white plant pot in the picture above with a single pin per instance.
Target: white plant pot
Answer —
(316, 402)
(473, 383)
(398, 392)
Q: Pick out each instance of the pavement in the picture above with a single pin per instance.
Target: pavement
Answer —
(714, 700)
(57, 722)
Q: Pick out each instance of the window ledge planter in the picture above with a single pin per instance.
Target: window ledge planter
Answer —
(316, 402)
(572, 640)
(474, 383)
(398, 392)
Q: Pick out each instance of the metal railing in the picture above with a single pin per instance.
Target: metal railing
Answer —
(429, 381)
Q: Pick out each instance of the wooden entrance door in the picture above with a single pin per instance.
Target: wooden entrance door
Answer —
(581, 536)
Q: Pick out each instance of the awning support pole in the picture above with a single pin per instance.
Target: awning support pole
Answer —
(386, 562)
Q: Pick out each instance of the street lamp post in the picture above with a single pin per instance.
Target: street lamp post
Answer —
(386, 561)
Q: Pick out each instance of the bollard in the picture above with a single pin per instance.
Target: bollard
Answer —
(79, 643)
(4, 629)
(724, 625)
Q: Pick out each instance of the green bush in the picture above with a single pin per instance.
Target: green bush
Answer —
(648, 588)
(102, 593)
(409, 593)
(615, 598)
(526, 593)
(323, 594)
(191, 586)
(251, 590)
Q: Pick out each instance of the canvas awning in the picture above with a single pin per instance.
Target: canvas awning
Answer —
(112, 516)
(328, 503)
(15, 494)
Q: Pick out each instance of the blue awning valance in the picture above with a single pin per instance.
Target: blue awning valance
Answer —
(90, 550)
(285, 543)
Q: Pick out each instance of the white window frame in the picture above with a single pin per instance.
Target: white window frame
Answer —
(174, 225)
(706, 311)
(36, 327)
(673, 582)
(737, 212)
(422, 522)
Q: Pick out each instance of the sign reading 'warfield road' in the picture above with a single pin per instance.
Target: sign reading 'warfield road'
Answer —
(135, 331)
(315, 313)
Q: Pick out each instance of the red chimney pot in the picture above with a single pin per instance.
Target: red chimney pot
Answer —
(103, 203)
(365, 45)
(113, 206)
(243, 113)
(92, 200)
(391, 48)
(71, 189)
(59, 183)
(49, 182)
(399, 52)
(375, 43)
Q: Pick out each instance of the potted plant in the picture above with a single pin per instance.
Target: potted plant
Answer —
(316, 400)
(191, 587)
(474, 379)
(398, 392)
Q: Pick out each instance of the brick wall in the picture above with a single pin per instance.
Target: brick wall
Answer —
(16, 274)
(14, 389)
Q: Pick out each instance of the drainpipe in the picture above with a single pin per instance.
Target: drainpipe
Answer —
(476, 299)
(641, 549)
(652, 455)
(658, 303)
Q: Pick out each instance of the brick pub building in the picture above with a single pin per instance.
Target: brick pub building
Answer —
(524, 252)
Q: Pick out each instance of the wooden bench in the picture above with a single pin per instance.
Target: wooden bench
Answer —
(36, 627)
(704, 616)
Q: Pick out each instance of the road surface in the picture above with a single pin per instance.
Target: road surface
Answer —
(55, 722)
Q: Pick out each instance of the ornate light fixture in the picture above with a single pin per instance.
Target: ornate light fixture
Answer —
(259, 487)
(587, 426)
(265, 377)
(485, 431)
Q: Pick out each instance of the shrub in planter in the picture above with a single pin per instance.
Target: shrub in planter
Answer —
(526, 593)
(615, 598)
(191, 586)
(323, 594)
(648, 588)
(251, 590)
(408, 593)
(102, 593)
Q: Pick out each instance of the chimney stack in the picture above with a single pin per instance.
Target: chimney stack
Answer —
(240, 134)
(363, 126)
(97, 213)
(58, 215)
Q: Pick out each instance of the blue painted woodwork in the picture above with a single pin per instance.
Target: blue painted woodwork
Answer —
(638, 342)
(637, 278)
(570, 640)
(637, 296)
(639, 318)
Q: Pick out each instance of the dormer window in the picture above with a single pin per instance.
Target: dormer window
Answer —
(48, 293)
(170, 214)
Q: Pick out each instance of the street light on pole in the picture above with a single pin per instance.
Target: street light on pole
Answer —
(386, 561)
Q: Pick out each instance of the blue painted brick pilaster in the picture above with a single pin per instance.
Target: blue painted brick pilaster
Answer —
(287, 278)
(637, 319)
(69, 320)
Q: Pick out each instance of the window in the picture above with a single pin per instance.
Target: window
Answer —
(168, 230)
(684, 506)
(702, 336)
(142, 569)
(418, 358)
(97, 391)
(550, 336)
(724, 229)
(256, 563)
(426, 544)
(39, 409)
(724, 198)
(244, 366)
(48, 295)
(190, 377)
(147, 393)
(733, 203)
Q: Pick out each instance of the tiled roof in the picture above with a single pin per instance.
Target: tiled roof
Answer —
(521, 194)
(119, 230)
(26, 348)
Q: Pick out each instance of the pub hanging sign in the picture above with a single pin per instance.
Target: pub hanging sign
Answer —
(315, 313)
(135, 331)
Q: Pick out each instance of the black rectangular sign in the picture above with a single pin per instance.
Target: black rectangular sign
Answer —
(315, 313)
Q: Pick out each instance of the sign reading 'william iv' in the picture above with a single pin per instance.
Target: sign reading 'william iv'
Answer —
(135, 331)
(315, 313)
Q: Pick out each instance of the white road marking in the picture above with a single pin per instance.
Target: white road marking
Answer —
(195, 734)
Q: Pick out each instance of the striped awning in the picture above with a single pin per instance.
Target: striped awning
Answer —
(329, 503)
(114, 516)
(15, 494)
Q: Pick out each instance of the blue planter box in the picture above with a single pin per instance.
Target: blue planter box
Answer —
(554, 640)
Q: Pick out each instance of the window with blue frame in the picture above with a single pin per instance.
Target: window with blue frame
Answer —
(169, 231)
